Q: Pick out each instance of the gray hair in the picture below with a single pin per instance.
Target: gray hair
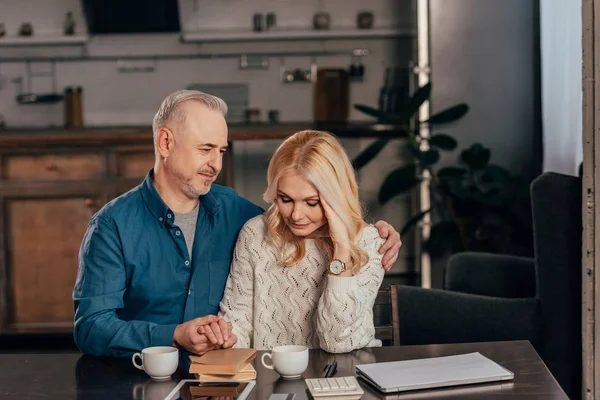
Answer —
(169, 109)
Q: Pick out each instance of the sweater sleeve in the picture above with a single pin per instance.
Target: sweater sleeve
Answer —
(345, 310)
(237, 304)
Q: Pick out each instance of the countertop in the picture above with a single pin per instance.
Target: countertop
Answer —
(256, 131)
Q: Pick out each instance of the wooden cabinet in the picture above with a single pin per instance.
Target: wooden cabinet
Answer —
(49, 190)
(43, 239)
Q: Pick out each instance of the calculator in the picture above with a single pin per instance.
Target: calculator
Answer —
(334, 388)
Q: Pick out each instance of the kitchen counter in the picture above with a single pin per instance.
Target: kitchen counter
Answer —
(13, 137)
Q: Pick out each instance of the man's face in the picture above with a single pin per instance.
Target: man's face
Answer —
(200, 143)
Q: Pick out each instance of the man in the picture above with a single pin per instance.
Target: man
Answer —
(157, 257)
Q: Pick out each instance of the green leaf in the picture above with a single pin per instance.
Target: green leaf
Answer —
(443, 142)
(451, 114)
(397, 182)
(476, 157)
(365, 156)
(451, 173)
(414, 103)
(413, 221)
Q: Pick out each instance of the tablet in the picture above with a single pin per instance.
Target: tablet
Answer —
(190, 389)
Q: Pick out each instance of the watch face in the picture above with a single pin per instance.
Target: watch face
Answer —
(336, 267)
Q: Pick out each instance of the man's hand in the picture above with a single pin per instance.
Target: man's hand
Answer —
(391, 246)
(188, 336)
(219, 333)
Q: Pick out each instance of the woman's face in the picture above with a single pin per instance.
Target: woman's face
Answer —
(298, 203)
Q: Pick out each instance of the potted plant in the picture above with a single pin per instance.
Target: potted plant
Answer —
(471, 202)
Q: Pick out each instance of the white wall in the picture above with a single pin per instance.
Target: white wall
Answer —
(114, 98)
(561, 85)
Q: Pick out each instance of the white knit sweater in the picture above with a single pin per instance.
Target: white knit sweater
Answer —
(271, 305)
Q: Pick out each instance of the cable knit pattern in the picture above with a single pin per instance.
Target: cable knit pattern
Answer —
(271, 305)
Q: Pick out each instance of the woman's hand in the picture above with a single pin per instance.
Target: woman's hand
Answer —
(337, 229)
(339, 236)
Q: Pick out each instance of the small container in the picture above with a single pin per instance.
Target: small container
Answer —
(74, 107)
(271, 20)
(69, 24)
(26, 29)
(321, 21)
(252, 115)
(364, 20)
(273, 116)
(257, 22)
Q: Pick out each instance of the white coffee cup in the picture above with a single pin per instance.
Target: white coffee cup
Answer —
(159, 362)
(288, 361)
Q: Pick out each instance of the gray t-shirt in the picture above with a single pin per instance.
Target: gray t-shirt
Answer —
(187, 223)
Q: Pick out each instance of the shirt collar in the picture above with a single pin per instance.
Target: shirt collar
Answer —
(159, 208)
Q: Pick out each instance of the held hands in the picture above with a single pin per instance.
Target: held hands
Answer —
(204, 334)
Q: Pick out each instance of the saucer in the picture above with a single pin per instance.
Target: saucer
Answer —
(290, 377)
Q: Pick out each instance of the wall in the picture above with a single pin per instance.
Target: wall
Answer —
(483, 53)
(114, 98)
(561, 85)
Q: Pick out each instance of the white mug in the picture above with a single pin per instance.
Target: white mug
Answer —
(288, 361)
(159, 362)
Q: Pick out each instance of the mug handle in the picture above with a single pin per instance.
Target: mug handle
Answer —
(135, 364)
(263, 361)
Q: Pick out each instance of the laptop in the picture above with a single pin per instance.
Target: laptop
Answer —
(428, 373)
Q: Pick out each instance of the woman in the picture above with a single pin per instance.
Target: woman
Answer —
(307, 271)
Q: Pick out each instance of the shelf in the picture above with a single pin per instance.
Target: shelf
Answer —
(274, 35)
(15, 41)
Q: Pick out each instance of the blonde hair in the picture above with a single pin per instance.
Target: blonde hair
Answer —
(169, 110)
(318, 157)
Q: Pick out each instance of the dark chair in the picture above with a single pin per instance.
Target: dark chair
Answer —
(385, 314)
(491, 297)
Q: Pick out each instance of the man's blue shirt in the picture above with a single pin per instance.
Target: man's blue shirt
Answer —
(136, 281)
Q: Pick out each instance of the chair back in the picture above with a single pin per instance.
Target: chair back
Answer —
(385, 313)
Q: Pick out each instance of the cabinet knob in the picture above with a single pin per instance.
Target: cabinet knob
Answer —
(51, 167)
(90, 202)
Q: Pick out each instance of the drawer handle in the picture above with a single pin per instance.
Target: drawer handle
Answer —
(51, 167)
(90, 203)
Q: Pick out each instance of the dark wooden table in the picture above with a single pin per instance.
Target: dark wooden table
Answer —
(73, 376)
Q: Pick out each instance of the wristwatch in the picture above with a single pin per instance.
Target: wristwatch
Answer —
(336, 267)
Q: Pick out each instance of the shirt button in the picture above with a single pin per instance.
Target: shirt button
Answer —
(186, 263)
(169, 216)
(177, 233)
(190, 292)
(160, 219)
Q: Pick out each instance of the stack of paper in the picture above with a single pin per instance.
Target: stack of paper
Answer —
(432, 372)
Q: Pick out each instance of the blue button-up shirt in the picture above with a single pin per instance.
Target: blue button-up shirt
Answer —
(136, 281)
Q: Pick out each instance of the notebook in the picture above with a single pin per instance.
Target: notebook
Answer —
(427, 373)
(222, 362)
(245, 374)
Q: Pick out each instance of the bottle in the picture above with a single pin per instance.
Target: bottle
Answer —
(77, 108)
(69, 24)
(68, 106)
(383, 92)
